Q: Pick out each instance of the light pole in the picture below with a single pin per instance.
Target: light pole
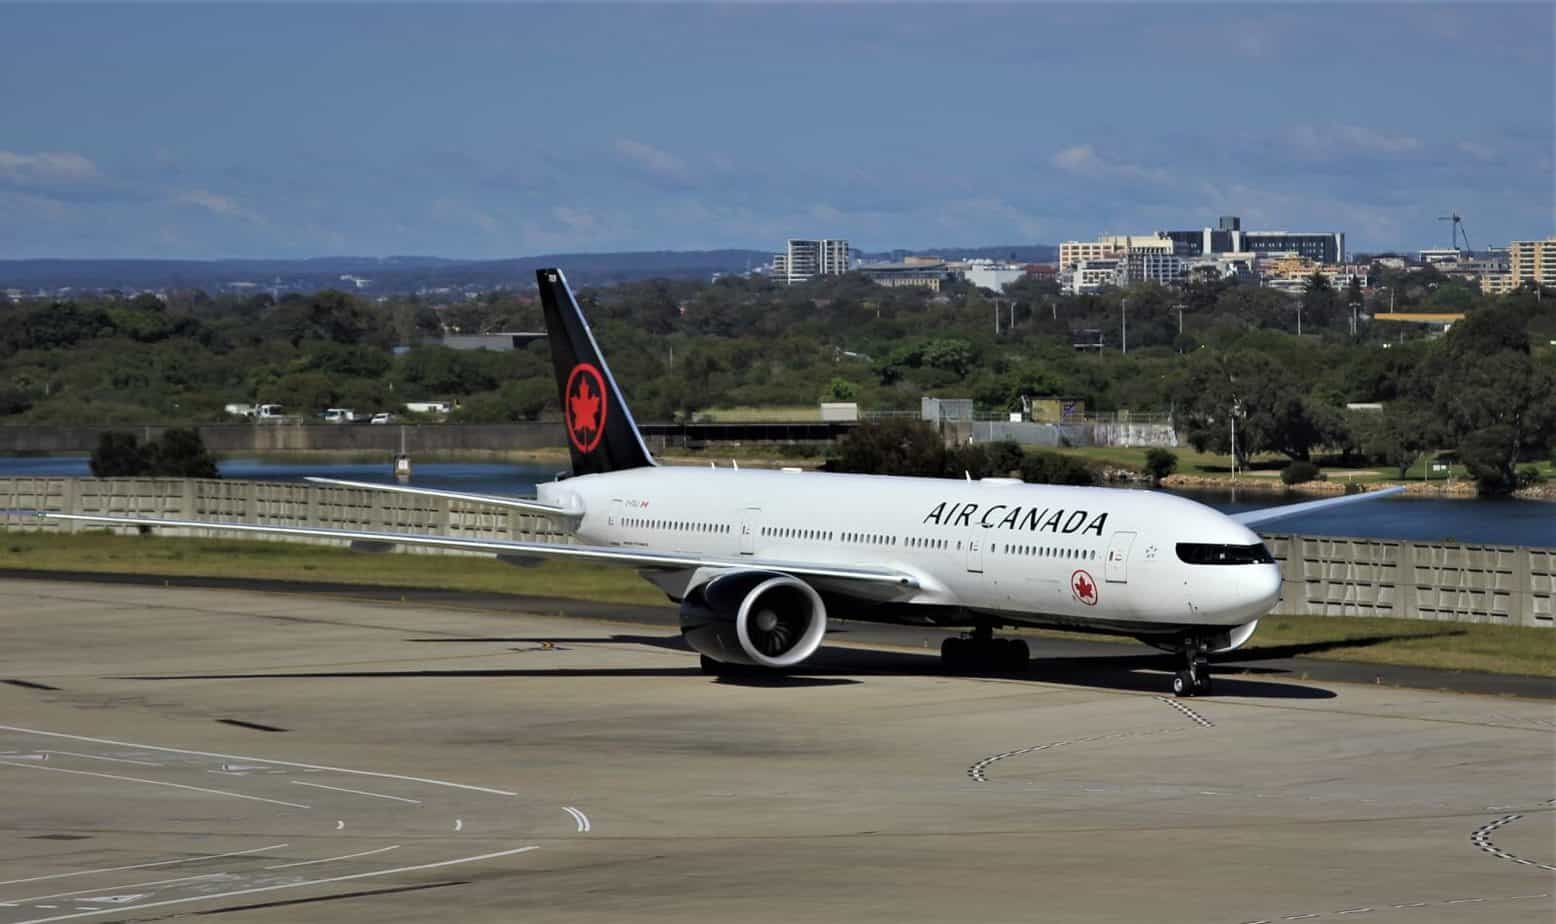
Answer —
(1236, 407)
(1123, 325)
(1354, 307)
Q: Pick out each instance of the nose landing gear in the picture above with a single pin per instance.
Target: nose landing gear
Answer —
(1194, 680)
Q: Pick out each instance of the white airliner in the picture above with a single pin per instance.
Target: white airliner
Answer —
(758, 558)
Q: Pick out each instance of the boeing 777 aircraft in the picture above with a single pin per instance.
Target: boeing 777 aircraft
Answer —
(757, 559)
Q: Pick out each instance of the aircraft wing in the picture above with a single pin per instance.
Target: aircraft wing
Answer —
(513, 503)
(1266, 514)
(363, 540)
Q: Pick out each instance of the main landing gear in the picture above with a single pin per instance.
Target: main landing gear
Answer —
(981, 652)
(1193, 680)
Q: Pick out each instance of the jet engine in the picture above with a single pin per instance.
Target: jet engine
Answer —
(756, 618)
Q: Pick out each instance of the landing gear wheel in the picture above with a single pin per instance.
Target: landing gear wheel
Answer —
(1182, 684)
(1018, 655)
(953, 655)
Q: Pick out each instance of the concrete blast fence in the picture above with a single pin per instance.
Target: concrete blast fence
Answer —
(1456, 582)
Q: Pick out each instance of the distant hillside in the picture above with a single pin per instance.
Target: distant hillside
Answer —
(1019, 253)
(382, 274)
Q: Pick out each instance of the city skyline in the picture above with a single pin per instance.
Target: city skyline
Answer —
(280, 131)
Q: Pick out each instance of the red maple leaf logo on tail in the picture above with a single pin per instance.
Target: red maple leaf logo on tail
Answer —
(1084, 587)
(585, 407)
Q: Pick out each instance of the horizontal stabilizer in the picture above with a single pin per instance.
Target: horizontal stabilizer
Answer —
(1266, 514)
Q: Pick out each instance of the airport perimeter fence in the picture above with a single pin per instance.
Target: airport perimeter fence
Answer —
(1322, 576)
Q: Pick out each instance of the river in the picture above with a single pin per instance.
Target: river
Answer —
(1505, 522)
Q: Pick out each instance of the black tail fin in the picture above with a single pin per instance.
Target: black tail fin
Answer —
(601, 434)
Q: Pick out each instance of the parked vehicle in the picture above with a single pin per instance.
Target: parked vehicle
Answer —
(382, 417)
(271, 412)
(339, 415)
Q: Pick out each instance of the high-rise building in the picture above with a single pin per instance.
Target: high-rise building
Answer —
(806, 259)
(1532, 261)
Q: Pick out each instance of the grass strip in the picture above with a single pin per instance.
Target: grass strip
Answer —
(1418, 643)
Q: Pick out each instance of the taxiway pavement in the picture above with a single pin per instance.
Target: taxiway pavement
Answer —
(282, 757)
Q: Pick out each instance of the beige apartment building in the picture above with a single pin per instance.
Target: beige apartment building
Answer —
(1532, 261)
(1112, 245)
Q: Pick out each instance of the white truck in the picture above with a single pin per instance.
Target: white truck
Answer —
(339, 415)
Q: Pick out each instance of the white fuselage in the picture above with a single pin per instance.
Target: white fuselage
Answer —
(1035, 554)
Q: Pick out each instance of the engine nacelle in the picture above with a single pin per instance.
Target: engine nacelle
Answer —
(759, 618)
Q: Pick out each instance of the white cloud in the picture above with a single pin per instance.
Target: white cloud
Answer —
(1341, 139)
(1477, 150)
(46, 168)
(649, 157)
(216, 204)
(576, 220)
(1083, 160)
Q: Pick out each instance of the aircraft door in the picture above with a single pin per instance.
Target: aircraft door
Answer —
(750, 526)
(975, 550)
(1118, 557)
(613, 521)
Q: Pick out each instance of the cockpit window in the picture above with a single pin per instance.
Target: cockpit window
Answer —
(1198, 553)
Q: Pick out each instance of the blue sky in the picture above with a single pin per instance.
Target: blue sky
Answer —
(274, 130)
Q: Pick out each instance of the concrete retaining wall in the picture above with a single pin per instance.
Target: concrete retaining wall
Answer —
(1451, 582)
(1502, 585)
(264, 503)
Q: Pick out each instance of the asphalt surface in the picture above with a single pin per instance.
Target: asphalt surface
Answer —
(1076, 659)
(301, 757)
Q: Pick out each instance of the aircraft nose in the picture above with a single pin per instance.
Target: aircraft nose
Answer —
(1261, 585)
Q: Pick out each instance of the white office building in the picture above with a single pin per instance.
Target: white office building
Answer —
(1088, 276)
(987, 274)
(804, 260)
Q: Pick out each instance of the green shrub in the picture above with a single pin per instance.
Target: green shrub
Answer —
(1299, 472)
(1041, 467)
(1159, 463)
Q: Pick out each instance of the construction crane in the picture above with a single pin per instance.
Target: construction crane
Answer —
(1457, 231)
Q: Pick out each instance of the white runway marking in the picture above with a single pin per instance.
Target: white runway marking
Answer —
(120, 869)
(272, 888)
(459, 824)
(348, 856)
(136, 779)
(284, 763)
(340, 824)
(357, 792)
(579, 817)
(37, 898)
(116, 760)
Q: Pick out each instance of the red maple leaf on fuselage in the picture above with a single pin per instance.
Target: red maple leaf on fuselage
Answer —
(583, 408)
(1084, 588)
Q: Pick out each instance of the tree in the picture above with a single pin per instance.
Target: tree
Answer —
(119, 455)
(1499, 402)
(181, 453)
(1318, 301)
(1396, 436)
(1041, 467)
(896, 446)
(840, 390)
